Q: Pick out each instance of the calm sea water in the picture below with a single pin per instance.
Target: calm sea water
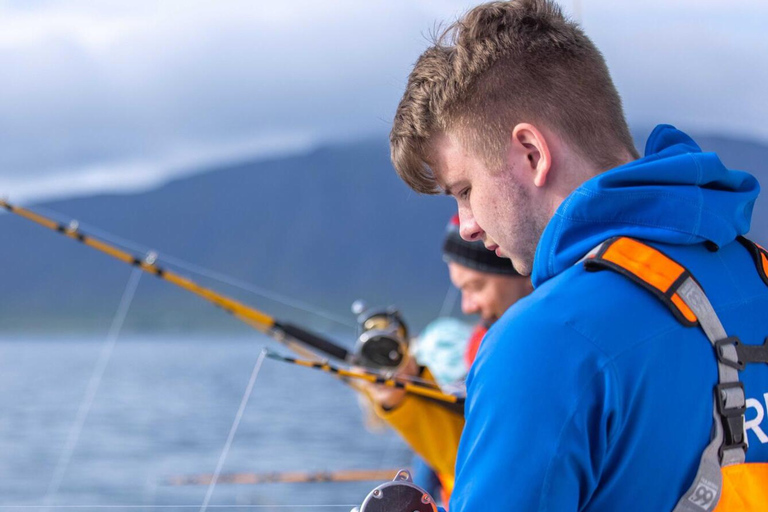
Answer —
(165, 408)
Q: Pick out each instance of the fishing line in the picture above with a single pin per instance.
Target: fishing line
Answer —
(283, 332)
(93, 386)
(2, 507)
(449, 302)
(300, 340)
(233, 430)
(204, 272)
(380, 344)
(289, 477)
(259, 292)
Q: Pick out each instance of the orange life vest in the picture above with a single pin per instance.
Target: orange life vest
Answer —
(724, 481)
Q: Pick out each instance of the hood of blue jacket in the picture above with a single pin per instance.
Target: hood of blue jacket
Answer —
(676, 194)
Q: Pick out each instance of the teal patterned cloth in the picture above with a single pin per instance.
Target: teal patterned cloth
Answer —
(441, 347)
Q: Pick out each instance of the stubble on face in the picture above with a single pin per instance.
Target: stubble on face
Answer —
(514, 221)
(500, 203)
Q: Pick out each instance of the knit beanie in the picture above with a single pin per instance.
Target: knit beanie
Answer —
(473, 255)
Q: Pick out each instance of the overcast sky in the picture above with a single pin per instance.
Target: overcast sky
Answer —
(99, 95)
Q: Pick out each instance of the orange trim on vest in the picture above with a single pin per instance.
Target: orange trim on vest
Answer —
(648, 267)
(745, 487)
(645, 262)
(759, 254)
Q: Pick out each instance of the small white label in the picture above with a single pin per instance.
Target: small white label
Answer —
(704, 495)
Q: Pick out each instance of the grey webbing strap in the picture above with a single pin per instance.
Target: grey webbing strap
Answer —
(704, 493)
(732, 397)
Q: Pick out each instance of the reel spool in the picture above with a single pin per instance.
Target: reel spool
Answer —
(382, 339)
(399, 495)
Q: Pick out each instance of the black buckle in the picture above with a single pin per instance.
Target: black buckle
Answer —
(729, 341)
(753, 353)
(733, 417)
(745, 354)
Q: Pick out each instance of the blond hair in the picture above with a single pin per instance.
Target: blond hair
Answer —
(501, 64)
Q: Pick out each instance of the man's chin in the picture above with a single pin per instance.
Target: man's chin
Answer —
(489, 321)
(521, 265)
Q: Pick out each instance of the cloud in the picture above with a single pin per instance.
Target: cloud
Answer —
(134, 175)
(102, 84)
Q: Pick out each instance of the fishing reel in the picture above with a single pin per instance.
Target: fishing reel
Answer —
(382, 338)
(399, 495)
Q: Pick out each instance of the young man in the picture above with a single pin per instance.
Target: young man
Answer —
(489, 285)
(590, 395)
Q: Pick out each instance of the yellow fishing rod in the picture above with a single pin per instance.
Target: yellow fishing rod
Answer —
(434, 394)
(301, 341)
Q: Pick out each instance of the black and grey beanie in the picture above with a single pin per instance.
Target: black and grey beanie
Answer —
(473, 255)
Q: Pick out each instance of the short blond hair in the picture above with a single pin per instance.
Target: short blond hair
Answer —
(501, 64)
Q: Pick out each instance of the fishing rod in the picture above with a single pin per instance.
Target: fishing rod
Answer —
(432, 393)
(296, 338)
(287, 477)
(382, 341)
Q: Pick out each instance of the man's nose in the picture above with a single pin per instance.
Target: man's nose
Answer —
(468, 306)
(469, 228)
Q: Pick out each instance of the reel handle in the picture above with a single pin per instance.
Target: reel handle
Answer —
(399, 495)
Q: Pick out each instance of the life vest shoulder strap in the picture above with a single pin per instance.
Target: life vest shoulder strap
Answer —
(648, 267)
(759, 254)
(677, 288)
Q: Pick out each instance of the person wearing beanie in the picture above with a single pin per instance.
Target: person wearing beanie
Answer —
(489, 285)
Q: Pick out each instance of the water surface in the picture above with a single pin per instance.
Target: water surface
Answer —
(165, 407)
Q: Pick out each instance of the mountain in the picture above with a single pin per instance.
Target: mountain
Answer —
(326, 227)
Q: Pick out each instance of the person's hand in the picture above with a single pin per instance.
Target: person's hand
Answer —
(385, 396)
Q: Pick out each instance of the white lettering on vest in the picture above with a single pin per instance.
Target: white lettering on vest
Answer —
(754, 423)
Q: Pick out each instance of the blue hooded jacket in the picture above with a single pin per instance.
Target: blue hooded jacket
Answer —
(589, 395)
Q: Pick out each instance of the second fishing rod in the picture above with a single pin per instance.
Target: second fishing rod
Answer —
(382, 338)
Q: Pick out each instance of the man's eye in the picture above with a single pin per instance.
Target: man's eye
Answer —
(464, 194)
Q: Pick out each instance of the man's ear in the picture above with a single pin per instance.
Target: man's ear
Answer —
(529, 142)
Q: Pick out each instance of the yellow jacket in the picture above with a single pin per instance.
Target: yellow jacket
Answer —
(430, 429)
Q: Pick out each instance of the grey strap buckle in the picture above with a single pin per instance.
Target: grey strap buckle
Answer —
(731, 405)
(728, 352)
